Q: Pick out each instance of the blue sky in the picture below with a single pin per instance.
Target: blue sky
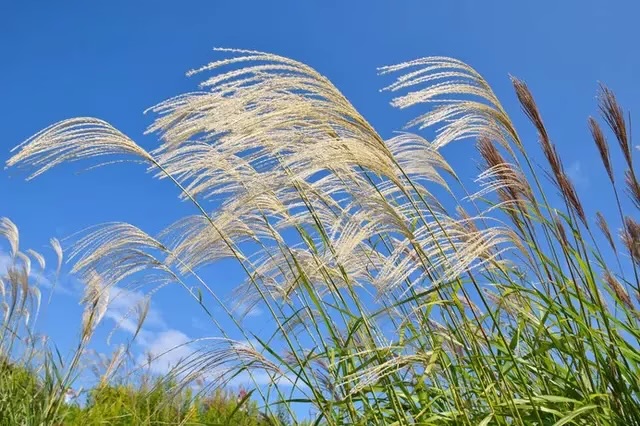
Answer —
(114, 59)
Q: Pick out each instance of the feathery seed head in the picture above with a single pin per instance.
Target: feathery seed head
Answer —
(530, 108)
(501, 177)
(9, 231)
(72, 140)
(631, 238)
(96, 301)
(602, 224)
(57, 248)
(561, 232)
(464, 104)
(633, 187)
(614, 116)
(603, 146)
(618, 290)
(37, 257)
(569, 191)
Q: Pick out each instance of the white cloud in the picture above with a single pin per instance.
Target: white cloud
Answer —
(169, 347)
(125, 300)
(122, 311)
(248, 311)
(576, 174)
(166, 348)
(122, 321)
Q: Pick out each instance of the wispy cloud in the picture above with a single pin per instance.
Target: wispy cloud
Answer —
(577, 174)
(122, 307)
(166, 349)
(248, 311)
(156, 340)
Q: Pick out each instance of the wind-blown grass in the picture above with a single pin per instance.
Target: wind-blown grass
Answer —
(492, 302)
(41, 386)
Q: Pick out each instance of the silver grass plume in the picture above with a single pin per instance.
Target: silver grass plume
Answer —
(37, 257)
(72, 140)
(9, 231)
(57, 248)
(464, 106)
(95, 301)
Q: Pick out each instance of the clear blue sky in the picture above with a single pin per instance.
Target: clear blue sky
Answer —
(113, 59)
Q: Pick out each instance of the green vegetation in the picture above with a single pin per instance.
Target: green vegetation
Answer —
(398, 292)
(24, 396)
(124, 405)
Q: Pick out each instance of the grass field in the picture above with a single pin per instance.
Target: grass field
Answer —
(402, 294)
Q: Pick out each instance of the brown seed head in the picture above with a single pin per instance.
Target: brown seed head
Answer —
(602, 224)
(603, 146)
(529, 107)
(489, 152)
(614, 116)
(618, 290)
(561, 232)
(631, 238)
(515, 186)
(633, 187)
(571, 195)
(531, 110)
